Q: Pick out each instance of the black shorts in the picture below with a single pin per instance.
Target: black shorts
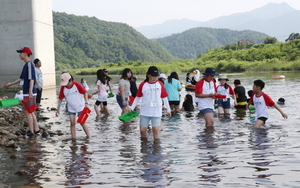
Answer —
(176, 103)
(99, 102)
(264, 119)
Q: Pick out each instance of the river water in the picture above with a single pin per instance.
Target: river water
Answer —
(233, 154)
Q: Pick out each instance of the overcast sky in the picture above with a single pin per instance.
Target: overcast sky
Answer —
(149, 12)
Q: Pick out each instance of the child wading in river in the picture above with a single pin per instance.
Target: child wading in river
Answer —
(152, 92)
(102, 93)
(261, 102)
(76, 97)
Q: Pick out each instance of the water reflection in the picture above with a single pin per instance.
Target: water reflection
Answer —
(209, 158)
(259, 142)
(77, 168)
(151, 162)
(33, 163)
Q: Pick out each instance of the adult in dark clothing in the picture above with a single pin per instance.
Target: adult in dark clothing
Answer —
(240, 94)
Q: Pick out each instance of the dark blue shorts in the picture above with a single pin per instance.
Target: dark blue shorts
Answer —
(224, 104)
(119, 100)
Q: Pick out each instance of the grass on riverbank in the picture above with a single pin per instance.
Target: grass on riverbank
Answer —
(261, 57)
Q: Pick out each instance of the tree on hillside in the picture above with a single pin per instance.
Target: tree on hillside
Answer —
(293, 36)
(270, 40)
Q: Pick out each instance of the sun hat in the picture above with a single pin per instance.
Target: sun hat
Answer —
(64, 79)
(223, 77)
(210, 71)
(26, 50)
(162, 76)
(153, 71)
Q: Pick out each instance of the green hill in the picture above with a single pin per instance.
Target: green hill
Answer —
(82, 42)
(191, 43)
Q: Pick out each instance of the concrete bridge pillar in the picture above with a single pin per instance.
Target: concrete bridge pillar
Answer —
(26, 23)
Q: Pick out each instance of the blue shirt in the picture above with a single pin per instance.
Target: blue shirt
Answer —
(173, 89)
(28, 73)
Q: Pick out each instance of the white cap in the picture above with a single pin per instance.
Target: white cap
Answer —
(163, 76)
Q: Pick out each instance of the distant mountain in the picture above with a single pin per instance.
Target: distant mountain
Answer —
(276, 20)
(167, 28)
(82, 42)
(191, 43)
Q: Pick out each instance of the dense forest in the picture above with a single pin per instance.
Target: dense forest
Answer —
(189, 44)
(268, 56)
(82, 41)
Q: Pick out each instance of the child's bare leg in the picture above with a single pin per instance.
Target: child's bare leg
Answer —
(209, 119)
(176, 107)
(96, 107)
(72, 127)
(258, 123)
(220, 110)
(29, 120)
(35, 124)
(106, 109)
(227, 111)
(86, 130)
(156, 132)
(143, 131)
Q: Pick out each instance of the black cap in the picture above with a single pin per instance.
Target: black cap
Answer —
(210, 71)
(153, 71)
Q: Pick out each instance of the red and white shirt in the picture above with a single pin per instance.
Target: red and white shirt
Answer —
(204, 87)
(261, 104)
(151, 95)
(222, 91)
(74, 96)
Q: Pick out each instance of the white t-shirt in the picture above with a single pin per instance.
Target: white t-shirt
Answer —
(151, 94)
(261, 104)
(228, 92)
(204, 87)
(74, 97)
(103, 91)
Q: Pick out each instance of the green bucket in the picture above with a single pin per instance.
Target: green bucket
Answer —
(128, 116)
(9, 102)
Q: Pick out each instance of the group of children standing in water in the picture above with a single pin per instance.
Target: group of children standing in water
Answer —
(156, 93)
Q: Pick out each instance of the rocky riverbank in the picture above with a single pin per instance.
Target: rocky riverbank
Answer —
(13, 122)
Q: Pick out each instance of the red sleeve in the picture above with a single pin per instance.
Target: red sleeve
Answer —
(268, 100)
(140, 89)
(164, 92)
(61, 93)
(215, 85)
(231, 92)
(199, 86)
(80, 88)
(251, 98)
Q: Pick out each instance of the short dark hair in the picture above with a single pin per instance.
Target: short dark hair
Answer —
(237, 82)
(259, 83)
(250, 93)
(36, 61)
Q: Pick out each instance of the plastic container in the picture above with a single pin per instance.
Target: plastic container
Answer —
(131, 99)
(9, 102)
(218, 96)
(30, 104)
(252, 109)
(110, 95)
(128, 116)
(84, 115)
